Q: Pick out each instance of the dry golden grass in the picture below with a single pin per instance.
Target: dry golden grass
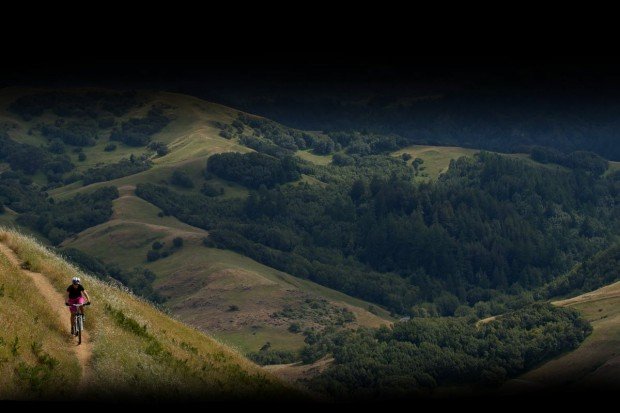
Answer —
(153, 356)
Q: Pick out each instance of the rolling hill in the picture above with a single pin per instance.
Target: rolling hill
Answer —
(417, 244)
(200, 284)
(132, 351)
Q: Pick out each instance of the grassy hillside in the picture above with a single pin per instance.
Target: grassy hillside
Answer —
(202, 283)
(137, 351)
(595, 363)
(436, 158)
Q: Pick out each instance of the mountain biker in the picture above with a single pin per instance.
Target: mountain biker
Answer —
(74, 296)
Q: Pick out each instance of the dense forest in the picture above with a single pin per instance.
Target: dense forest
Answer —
(413, 357)
(595, 272)
(490, 225)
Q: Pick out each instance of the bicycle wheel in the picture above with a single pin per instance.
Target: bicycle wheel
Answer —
(80, 326)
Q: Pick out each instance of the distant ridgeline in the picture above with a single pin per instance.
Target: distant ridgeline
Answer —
(494, 120)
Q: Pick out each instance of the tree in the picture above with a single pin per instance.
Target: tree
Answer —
(152, 255)
(358, 190)
(182, 179)
(159, 147)
(56, 146)
(57, 235)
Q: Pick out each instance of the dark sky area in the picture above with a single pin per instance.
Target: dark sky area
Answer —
(311, 72)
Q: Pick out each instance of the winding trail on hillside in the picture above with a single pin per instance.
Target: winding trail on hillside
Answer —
(56, 301)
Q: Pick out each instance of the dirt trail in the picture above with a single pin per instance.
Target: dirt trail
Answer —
(55, 299)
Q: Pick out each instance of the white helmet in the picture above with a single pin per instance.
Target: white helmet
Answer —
(76, 280)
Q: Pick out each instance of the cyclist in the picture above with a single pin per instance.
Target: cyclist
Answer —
(75, 295)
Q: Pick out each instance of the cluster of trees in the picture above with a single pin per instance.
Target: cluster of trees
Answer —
(362, 144)
(253, 169)
(267, 356)
(265, 146)
(124, 167)
(320, 312)
(157, 250)
(182, 179)
(31, 159)
(159, 147)
(75, 104)
(229, 131)
(421, 354)
(18, 192)
(489, 227)
(210, 190)
(139, 131)
(287, 138)
(58, 220)
(588, 161)
(77, 133)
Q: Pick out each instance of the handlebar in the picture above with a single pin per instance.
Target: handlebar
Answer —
(77, 305)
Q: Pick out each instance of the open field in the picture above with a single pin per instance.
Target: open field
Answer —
(436, 158)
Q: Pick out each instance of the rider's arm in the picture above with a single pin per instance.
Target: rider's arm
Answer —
(67, 298)
(86, 295)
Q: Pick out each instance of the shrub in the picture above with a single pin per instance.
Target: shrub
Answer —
(110, 147)
(209, 190)
(182, 179)
(152, 255)
(178, 242)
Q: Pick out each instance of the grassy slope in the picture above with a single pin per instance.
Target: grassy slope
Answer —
(613, 167)
(124, 363)
(436, 158)
(596, 361)
(258, 290)
(191, 138)
(202, 283)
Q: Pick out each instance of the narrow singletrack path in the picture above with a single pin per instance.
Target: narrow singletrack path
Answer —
(56, 301)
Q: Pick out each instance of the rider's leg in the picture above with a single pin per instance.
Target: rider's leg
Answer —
(72, 322)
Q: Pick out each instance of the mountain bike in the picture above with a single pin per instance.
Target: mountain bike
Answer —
(78, 321)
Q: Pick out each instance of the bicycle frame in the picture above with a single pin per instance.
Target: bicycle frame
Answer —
(78, 321)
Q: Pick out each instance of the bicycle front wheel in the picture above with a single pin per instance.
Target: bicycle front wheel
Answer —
(80, 327)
